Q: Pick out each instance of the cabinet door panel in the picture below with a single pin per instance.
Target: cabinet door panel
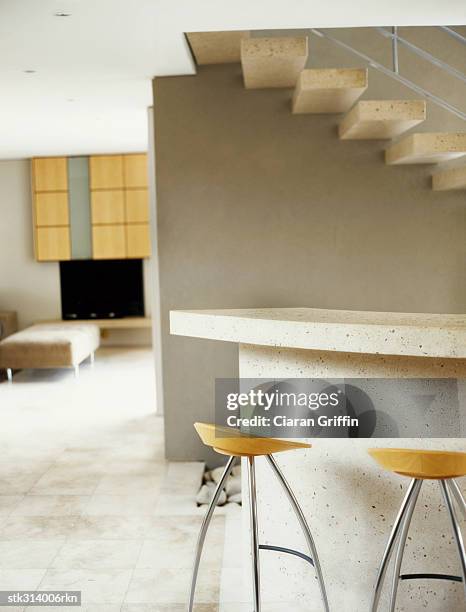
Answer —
(53, 243)
(108, 241)
(135, 167)
(138, 241)
(108, 206)
(106, 171)
(51, 209)
(50, 174)
(137, 206)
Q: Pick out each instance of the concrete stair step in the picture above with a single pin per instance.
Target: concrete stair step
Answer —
(273, 62)
(328, 90)
(381, 119)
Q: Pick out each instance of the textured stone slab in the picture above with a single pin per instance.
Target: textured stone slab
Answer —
(389, 333)
(273, 62)
(329, 90)
(451, 178)
(381, 119)
(427, 148)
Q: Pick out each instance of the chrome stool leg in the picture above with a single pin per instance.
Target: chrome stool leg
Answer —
(456, 529)
(458, 495)
(205, 527)
(304, 526)
(402, 543)
(254, 534)
(391, 541)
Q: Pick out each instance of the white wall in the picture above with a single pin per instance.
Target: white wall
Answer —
(32, 289)
(29, 287)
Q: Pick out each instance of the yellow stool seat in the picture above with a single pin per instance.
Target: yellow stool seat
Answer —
(424, 464)
(229, 441)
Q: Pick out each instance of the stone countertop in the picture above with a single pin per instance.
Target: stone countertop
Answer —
(349, 331)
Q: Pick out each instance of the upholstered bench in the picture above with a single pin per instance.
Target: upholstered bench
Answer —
(49, 346)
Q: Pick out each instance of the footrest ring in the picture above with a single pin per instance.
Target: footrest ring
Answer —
(431, 577)
(288, 551)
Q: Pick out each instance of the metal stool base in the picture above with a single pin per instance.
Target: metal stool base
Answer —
(399, 534)
(255, 546)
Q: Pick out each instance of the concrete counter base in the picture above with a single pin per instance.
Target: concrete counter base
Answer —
(349, 501)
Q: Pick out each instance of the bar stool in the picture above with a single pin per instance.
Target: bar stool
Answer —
(420, 465)
(229, 441)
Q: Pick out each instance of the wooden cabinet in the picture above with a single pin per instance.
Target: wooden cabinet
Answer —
(51, 208)
(108, 206)
(52, 243)
(102, 195)
(138, 240)
(50, 174)
(109, 241)
(137, 206)
(106, 172)
(135, 170)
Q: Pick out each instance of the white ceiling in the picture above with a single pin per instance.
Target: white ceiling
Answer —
(92, 81)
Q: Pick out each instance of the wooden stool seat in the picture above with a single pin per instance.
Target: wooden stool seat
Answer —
(422, 464)
(229, 441)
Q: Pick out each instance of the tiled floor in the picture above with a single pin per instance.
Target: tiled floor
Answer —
(87, 501)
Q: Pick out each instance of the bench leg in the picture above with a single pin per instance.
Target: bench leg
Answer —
(9, 375)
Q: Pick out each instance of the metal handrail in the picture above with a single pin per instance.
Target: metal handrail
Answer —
(392, 73)
(453, 34)
(422, 53)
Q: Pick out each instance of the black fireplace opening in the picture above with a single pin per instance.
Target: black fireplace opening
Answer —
(102, 289)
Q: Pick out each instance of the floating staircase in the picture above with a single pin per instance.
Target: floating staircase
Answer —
(450, 178)
(329, 90)
(270, 62)
(216, 47)
(273, 62)
(381, 119)
(427, 148)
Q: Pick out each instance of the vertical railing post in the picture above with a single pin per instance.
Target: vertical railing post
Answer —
(396, 64)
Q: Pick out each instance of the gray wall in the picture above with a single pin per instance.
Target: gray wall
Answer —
(29, 287)
(259, 208)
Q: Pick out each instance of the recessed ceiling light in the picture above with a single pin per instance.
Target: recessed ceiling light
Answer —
(70, 99)
(62, 14)
(29, 71)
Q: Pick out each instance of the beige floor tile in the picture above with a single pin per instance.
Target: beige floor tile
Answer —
(89, 608)
(8, 503)
(171, 504)
(63, 481)
(232, 588)
(130, 484)
(97, 586)
(233, 552)
(123, 505)
(113, 527)
(37, 527)
(266, 607)
(51, 505)
(98, 554)
(184, 478)
(20, 579)
(172, 607)
(171, 586)
(172, 542)
(28, 554)
(17, 482)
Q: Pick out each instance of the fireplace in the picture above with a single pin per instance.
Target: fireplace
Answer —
(102, 289)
